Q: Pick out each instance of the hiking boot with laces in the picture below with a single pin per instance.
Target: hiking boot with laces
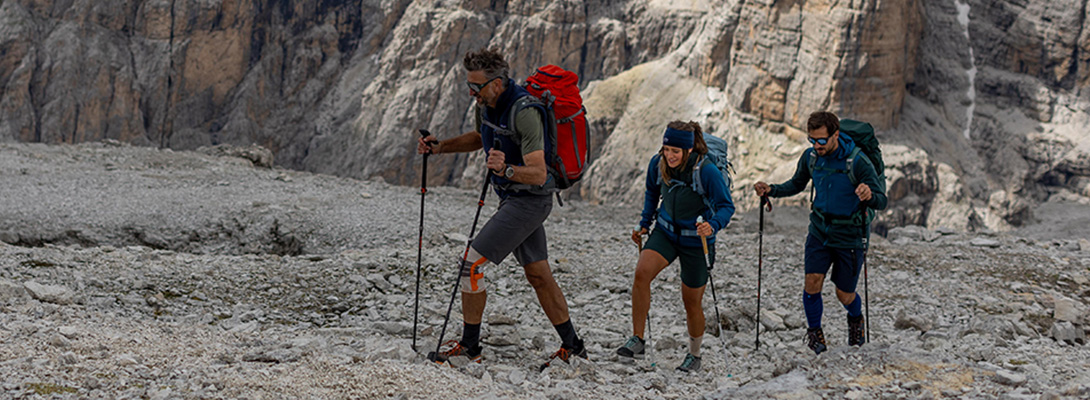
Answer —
(856, 336)
(815, 340)
(633, 348)
(455, 348)
(690, 364)
(565, 354)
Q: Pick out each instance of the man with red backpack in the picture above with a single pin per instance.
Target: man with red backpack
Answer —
(512, 128)
(847, 187)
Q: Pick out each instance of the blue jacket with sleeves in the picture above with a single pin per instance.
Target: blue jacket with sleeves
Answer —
(681, 204)
(835, 202)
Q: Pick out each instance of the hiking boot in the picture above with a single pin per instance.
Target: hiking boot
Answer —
(633, 348)
(856, 336)
(565, 354)
(815, 340)
(690, 364)
(455, 349)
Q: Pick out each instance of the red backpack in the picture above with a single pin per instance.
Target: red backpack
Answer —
(567, 145)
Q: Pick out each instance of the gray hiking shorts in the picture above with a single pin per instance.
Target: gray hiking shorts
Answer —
(516, 227)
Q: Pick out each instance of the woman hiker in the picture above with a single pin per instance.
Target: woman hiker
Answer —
(676, 234)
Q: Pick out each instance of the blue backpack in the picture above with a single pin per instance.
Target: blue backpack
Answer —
(717, 154)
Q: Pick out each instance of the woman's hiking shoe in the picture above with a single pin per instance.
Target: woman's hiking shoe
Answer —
(815, 340)
(690, 364)
(565, 354)
(455, 349)
(856, 336)
(633, 348)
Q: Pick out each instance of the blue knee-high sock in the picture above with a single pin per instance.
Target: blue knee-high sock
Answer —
(855, 309)
(814, 308)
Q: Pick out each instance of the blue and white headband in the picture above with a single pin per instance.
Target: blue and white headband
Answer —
(678, 138)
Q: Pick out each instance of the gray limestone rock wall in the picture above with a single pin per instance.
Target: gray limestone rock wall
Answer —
(341, 87)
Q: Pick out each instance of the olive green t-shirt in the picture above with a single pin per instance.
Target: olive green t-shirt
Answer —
(528, 127)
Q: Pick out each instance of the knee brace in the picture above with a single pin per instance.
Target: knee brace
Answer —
(472, 277)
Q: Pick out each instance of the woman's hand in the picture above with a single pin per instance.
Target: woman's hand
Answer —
(704, 229)
(636, 235)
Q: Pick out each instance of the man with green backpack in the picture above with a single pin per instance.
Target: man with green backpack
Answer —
(845, 165)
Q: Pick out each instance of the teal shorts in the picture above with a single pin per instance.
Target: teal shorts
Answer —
(694, 271)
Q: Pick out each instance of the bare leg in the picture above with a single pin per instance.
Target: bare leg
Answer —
(845, 297)
(473, 306)
(694, 311)
(647, 268)
(548, 292)
(813, 283)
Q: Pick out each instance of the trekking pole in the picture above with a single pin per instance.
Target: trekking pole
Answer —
(715, 300)
(458, 277)
(420, 239)
(866, 298)
(760, 260)
(650, 356)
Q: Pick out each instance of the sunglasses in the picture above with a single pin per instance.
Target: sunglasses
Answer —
(823, 141)
(476, 87)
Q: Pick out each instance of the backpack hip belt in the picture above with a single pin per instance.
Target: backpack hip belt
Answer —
(858, 218)
(661, 222)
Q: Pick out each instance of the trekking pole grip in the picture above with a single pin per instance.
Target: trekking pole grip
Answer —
(703, 240)
(425, 133)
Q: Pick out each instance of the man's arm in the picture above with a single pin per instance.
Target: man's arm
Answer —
(798, 181)
(870, 185)
(528, 125)
(464, 143)
(533, 173)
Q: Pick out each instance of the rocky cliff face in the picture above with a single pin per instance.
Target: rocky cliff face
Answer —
(986, 98)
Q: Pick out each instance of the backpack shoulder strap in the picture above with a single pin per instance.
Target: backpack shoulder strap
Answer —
(698, 185)
(811, 160)
(520, 104)
(850, 165)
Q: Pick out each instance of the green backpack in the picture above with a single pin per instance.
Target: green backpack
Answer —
(862, 134)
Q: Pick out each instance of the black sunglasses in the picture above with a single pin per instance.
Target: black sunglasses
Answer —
(476, 87)
(823, 141)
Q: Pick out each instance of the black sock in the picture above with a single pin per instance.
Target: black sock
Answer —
(567, 334)
(471, 334)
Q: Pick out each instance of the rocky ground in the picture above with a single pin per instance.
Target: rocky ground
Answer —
(136, 273)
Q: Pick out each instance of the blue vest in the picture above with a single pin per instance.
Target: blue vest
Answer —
(509, 143)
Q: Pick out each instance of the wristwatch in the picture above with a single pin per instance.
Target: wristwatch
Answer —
(509, 172)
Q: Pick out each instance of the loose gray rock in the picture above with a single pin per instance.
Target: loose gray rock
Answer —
(1067, 310)
(985, 242)
(920, 323)
(49, 293)
(279, 355)
(1009, 378)
(10, 290)
(1066, 332)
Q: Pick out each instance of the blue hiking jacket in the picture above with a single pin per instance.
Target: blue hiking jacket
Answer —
(835, 202)
(681, 204)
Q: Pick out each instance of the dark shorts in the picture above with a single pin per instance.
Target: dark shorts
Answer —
(846, 263)
(694, 271)
(516, 227)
